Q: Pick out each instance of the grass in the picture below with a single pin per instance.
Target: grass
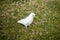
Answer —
(46, 24)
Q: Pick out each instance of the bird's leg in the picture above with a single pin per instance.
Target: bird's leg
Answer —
(26, 26)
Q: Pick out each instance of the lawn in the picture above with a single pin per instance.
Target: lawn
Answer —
(46, 24)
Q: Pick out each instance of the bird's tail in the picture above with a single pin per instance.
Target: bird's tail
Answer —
(19, 22)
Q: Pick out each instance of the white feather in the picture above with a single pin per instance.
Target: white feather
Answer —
(28, 20)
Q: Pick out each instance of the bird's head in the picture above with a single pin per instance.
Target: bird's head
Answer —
(33, 14)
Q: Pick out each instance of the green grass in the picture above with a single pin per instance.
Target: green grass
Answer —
(46, 24)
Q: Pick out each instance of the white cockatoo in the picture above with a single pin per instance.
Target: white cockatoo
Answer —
(28, 20)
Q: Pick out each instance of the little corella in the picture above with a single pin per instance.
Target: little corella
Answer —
(28, 20)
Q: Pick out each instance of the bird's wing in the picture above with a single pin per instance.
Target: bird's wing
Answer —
(25, 20)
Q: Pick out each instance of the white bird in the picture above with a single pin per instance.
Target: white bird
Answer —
(28, 20)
